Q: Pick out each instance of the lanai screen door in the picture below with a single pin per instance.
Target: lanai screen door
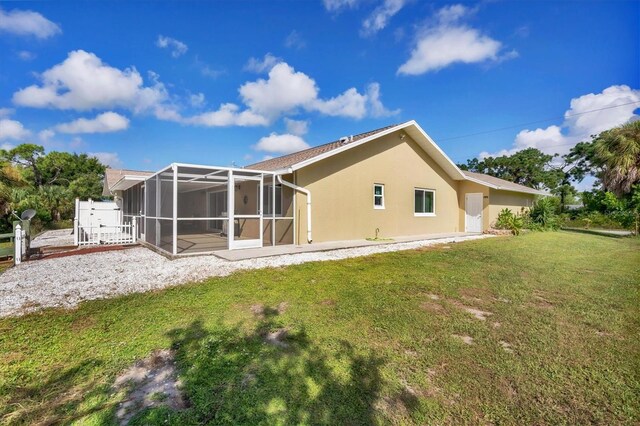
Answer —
(246, 214)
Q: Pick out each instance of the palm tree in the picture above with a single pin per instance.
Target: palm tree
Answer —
(618, 150)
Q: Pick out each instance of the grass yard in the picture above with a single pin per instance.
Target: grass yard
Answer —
(537, 329)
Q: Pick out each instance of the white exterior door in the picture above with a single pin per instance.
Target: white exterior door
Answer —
(473, 212)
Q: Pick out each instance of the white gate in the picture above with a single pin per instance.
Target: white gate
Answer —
(100, 222)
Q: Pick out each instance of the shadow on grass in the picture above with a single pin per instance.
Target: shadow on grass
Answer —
(239, 376)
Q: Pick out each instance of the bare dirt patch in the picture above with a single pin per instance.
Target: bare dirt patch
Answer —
(282, 307)
(257, 310)
(277, 337)
(150, 382)
(432, 307)
(506, 346)
(328, 302)
(81, 324)
(477, 313)
(463, 338)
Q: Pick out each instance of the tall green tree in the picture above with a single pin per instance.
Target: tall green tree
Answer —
(46, 182)
(26, 155)
(529, 167)
(618, 152)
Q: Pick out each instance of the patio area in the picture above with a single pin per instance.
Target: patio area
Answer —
(188, 209)
(237, 255)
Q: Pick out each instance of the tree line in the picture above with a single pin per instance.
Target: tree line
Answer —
(611, 157)
(46, 182)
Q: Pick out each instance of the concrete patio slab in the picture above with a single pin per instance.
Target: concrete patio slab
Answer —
(244, 254)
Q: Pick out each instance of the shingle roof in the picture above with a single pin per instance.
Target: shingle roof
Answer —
(289, 160)
(502, 184)
(111, 176)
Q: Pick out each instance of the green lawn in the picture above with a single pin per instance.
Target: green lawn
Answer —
(369, 343)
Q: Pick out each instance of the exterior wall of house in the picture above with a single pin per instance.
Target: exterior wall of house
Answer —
(514, 201)
(342, 192)
(468, 187)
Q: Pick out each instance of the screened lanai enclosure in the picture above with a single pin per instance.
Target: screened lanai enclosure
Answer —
(190, 209)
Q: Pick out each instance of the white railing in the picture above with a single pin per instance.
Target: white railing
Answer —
(107, 234)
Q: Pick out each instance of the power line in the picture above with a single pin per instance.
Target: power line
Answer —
(534, 122)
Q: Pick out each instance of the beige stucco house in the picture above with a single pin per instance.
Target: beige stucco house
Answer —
(389, 182)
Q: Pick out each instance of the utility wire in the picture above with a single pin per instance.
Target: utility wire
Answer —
(534, 122)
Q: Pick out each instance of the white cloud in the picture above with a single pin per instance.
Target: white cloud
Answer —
(83, 82)
(296, 127)
(25, 55)
(7, 146)
(227, 115)
(377, 109)
(106, 122)
(262, 65)
(197, 100)
(355, 105)
(449, 41)
(6, 112)
(619, 103)
(12, 129)
(27, 23)
(337, 5)
(613, 99)
(348, 104)
(281, 144)
(110, 159)
(177, 47)
(380, 16)
(453, 13)
(284, 91)
(295, 41)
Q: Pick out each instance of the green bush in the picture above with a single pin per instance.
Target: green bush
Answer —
(543, 215)
(613, 220)
(508, 220)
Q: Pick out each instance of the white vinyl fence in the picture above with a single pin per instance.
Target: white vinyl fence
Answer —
(100, 222)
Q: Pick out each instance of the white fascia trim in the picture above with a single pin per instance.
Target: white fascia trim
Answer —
(435, 145)
(134, 178)
(480, 182)
(501, 188)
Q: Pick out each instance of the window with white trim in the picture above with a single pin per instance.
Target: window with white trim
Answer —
(268, 202)
(425, 202)
(378, 196)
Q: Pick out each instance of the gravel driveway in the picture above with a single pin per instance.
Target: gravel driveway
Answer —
(67, 281)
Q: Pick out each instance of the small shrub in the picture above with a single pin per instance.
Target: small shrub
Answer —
(543, 215)
(508, 220)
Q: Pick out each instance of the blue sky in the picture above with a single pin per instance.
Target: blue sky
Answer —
(144, 84)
